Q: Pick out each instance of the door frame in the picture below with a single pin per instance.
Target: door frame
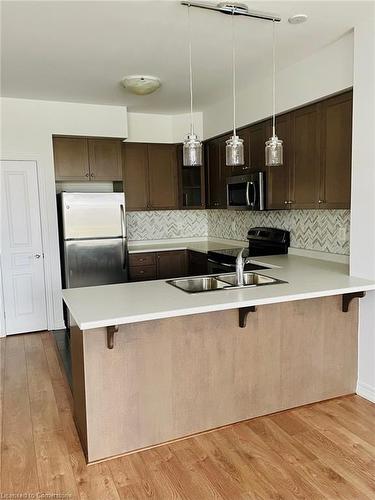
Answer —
(46, 239)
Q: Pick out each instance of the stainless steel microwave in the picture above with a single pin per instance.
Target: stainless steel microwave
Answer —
(246, 192)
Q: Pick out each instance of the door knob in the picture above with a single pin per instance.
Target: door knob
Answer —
(37, 255)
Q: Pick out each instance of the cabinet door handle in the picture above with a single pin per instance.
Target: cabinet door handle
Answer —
(321, 201)
(286, 202)
(87, 174)
(92, 175)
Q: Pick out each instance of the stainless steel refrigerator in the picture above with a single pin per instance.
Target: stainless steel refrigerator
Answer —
(93, 238)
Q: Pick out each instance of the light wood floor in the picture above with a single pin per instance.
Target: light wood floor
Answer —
(326, 450)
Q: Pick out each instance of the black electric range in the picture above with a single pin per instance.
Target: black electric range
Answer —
(262, 241)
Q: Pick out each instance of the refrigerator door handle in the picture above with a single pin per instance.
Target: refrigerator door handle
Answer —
(123, 235)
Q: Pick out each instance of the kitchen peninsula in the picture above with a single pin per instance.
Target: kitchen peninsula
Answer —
(152, 363)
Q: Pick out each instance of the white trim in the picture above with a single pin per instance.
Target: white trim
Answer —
(366, 391)
(50, 259)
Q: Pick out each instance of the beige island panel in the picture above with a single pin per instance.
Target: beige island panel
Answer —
(170, 378)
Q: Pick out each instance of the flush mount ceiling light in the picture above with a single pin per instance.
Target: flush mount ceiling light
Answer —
(141, 84)
(297, 19)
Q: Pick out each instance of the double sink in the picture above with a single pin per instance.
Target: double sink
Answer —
(222, 282)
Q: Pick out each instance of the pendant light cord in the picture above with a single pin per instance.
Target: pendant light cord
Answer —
(273, 79)
(190, 75)
(234, 74)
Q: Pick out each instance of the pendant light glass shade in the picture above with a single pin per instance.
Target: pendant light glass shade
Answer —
(192, 151)
(274, 152)
(192, 148)
(274, 145)
(234, 156)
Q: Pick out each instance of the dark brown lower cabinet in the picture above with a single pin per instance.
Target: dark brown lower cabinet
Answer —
(171, 264)
(197, 263)
(158, 265)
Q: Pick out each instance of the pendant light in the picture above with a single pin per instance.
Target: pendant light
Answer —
(192, 146)
(234, 156)
(274, 145)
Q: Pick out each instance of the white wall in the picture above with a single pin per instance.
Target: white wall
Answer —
(26, 133)
(181, 125)
(146, 127)
(324, 72)
(362, 250)
(27, 127)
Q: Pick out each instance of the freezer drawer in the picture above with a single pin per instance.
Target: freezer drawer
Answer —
(95, 262)
(93, 215)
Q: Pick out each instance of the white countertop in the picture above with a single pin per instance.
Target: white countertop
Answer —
(102, 306)
(203, 245)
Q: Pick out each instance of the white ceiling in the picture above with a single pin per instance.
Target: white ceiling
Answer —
(79, 50)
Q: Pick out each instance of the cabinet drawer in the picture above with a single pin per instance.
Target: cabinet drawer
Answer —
(141, 273)
(141, 259)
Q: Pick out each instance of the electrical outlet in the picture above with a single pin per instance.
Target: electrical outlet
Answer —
(341, 235)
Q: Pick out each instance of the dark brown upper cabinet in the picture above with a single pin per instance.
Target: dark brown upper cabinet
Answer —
(192, 187)
(305, 157)
(317, 157)
(258, 135)
(216, 175)
(162, 176)
(135, 175)
(105, 159)
(84, 159)
(278, 178)
(295, 184)
(243, 134)
(192, 191)
(71, 158)
(336, 148)
(150, 176)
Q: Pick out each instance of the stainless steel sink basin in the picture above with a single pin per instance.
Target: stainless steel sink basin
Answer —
(221, 282)
(250, 279)
(199, 284)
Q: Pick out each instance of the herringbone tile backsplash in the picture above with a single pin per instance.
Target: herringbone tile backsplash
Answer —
(165, 224)
(309, 229)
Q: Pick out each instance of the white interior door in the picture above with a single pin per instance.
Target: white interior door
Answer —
(21, 248)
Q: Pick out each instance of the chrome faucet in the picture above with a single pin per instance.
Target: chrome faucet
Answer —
(241, 261)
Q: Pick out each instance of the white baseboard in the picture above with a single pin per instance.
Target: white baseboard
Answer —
(366, 391)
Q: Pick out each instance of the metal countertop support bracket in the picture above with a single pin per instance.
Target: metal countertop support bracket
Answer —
(111, 330)
(348, 297)
(243, 312)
